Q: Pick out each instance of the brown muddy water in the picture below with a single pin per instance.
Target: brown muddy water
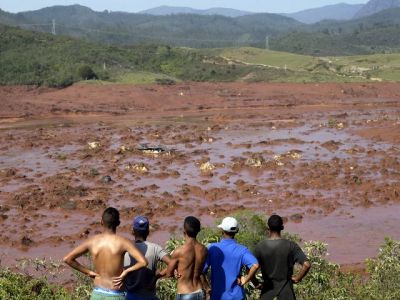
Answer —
(333, 173)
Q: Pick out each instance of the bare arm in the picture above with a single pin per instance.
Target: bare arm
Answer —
(166, 259)
(173, 264)
(141, 262)
(303, 272)
(70, 259)
(253, 270)
(205, 284)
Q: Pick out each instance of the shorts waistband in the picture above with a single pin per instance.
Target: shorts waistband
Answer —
(197, 295)
(195, 292)
(108, 292)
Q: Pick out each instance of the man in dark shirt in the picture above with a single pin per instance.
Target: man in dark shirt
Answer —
(141, 284)
(277, 257)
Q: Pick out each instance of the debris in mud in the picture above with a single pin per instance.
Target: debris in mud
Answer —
(294, 154)
(207, 167)
(277, 160)
(124, 149)
(8, 172)
(333, 123)
(255, 162)
(107, 179)
(69, 204)
(139, 168)
(152, 149)
(94, 172)
(26, 241)
(332, 145)
(296, 218)
(94, 145)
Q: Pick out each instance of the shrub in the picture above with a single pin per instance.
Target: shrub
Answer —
(384, 281)
(86, 73)
(165, 81)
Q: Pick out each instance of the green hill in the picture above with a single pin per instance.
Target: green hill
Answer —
(379, 33)
(121, 28)
(36, 58)
(377, 67)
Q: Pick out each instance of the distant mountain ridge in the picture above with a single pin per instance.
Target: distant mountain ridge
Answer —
(378, 33)
(124, 28)
(172, 10)
(375, 6)
(340, 11)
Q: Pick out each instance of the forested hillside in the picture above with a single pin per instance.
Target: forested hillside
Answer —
(378, 33)
(39, 58)
(180, 30)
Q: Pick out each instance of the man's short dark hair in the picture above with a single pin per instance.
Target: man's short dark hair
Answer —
(141, 233)
(191, 226)
(110, 218)
(275, 223)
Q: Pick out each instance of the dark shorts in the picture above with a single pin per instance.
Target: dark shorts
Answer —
(198, 295)
(104, 294)
(285, 292)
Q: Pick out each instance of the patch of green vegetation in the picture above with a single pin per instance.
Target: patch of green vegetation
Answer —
(40, 59)
(302, 68)
(267, 57)
(141, 78)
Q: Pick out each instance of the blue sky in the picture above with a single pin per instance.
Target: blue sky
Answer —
(134, 5)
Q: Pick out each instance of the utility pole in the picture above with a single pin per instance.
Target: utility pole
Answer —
(53, 29)
(266, 42)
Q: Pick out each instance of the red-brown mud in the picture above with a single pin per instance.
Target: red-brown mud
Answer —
(325, 156)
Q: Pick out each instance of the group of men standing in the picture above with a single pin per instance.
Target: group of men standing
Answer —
(126, 270)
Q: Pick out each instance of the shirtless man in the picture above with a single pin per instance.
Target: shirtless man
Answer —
(189, 261)
(107, 251)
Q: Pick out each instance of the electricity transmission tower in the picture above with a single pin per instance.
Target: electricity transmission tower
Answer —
(53, 29)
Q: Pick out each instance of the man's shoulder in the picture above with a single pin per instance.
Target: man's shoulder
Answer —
(179, 251)
(203, 248)
(214, 245)
(153, 245)
(266, 242)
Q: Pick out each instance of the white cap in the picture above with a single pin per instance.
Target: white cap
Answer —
(229, 224)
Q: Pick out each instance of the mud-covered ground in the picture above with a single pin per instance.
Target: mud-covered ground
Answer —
(325, 156)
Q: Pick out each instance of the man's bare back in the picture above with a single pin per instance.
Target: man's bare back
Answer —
(107, 251)
(188, 261)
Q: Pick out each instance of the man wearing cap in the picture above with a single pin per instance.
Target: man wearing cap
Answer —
(277, 257)
(226, 259)
(141, 285)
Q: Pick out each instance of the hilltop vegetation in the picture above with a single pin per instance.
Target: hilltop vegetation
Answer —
(42, 59)
(378, 33)
(32, 58)
(188, 30)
